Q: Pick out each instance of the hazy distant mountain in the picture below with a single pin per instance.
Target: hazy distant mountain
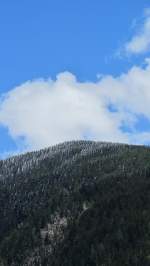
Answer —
(79, 203)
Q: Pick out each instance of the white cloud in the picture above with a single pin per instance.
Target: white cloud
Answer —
(140, 42)
(46, 112)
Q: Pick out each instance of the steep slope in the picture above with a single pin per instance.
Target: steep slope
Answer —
(76, 204)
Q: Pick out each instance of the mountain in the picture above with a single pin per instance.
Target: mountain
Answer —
(79, 203)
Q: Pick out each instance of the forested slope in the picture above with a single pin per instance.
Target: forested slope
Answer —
(79, 203)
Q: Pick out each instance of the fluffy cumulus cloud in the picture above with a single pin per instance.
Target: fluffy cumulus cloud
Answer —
(46, 112)
(140, 42)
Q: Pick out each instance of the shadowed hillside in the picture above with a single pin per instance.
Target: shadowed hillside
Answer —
(79, 203)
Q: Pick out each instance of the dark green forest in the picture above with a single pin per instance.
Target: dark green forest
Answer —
(79, 203)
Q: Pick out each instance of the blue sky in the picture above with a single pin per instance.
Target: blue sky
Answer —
(40, 39)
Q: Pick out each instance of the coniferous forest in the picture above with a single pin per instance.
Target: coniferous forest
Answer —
(79, 203)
